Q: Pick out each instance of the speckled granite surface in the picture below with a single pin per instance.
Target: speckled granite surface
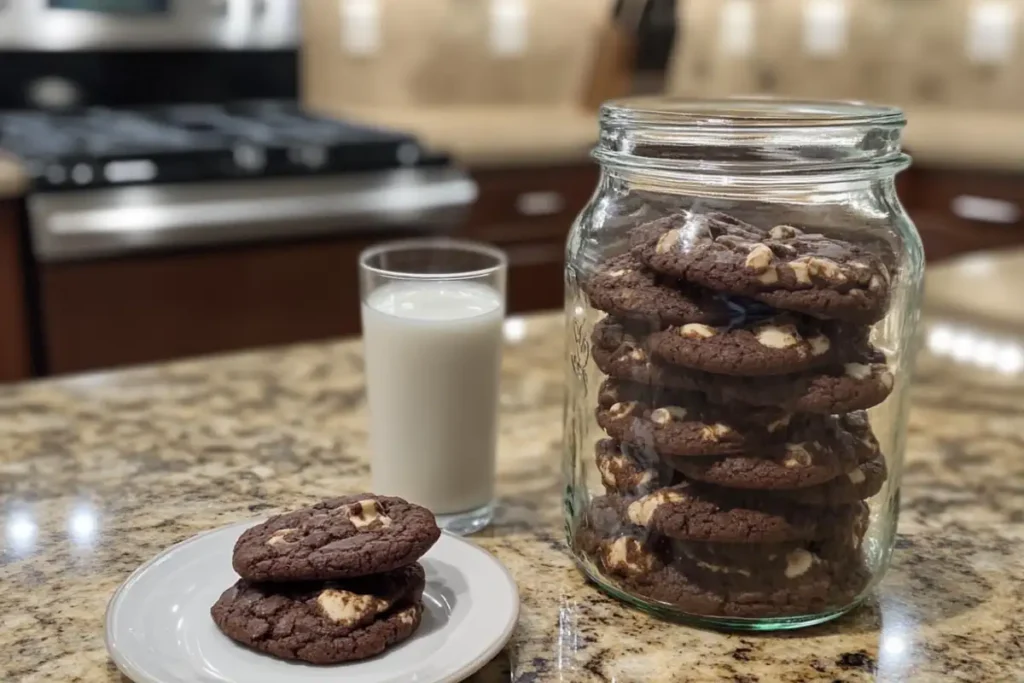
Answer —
(98, 473)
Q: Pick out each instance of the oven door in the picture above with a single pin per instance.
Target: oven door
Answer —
(70, 226)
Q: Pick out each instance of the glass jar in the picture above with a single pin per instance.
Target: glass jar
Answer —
(742, 295)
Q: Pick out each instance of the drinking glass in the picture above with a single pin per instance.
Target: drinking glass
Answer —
(432, 313)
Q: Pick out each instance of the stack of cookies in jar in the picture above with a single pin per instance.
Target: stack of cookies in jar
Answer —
(738, 367)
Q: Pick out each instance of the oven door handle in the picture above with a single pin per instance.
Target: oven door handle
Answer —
(111, 221)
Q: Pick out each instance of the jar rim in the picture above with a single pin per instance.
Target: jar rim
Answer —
(748, 112)
(747, 140)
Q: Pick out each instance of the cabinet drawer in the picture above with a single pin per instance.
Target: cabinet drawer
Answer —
(542, 201)
(993, 200)
(945, 235)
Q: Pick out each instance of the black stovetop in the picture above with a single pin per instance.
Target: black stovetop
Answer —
(99, 146)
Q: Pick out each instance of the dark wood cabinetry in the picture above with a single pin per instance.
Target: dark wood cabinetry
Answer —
(148, 308)
(14, 337)
(958, 211)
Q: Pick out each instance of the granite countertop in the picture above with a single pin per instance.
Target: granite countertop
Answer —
(100, 472)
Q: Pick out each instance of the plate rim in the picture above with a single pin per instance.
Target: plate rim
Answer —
(471, 667)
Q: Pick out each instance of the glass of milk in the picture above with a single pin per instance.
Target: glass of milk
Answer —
(432, 312)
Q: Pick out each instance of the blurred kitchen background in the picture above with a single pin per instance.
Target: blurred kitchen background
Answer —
(180, 177)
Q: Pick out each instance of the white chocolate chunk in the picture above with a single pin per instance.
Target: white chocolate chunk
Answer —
(798, 562)
(662, 416)
(759, 258)
(800, 271)
(626, 556)
(280, 538)
(640, 511)
(637, 354)
(857, 370)
(777, 336)
(826, 268)
(407, 616)
(696, 331)
(856, 476)
(619, 272)
(796, 456)
(345, 607)
(366, 513)
(819, 345)
(769, 276)
(782, 232)
(886, 379)
(715, 432)
(622, 409)
(668, 241)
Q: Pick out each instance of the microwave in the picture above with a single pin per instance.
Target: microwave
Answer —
(70, 25)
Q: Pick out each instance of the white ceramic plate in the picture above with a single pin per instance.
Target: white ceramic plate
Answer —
(159, 628)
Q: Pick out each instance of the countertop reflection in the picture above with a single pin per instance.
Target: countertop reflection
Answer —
(100, 472)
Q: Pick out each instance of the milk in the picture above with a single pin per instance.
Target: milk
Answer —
(433, 351)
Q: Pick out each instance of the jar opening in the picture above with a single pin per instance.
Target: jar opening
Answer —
(750, 137)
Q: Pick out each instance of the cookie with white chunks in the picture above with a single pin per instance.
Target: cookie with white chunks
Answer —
(620, 351)
(324, 623)
(629, 470)
(680, 423)
(623, 286)
(779, 345)
(785, 266)
(338, 538)
(693, 512)
(860, 483)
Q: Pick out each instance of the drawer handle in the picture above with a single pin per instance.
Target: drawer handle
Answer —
(985, 209)
(544, 203)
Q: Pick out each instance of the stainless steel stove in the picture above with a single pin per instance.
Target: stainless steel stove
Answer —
(109, 181)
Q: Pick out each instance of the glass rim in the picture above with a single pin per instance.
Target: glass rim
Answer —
(751, 112)
(450, 244)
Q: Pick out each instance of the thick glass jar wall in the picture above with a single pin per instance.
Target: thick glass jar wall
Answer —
(742, 295)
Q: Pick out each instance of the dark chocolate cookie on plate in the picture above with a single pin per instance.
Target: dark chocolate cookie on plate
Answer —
(338, 538)
(324, 623)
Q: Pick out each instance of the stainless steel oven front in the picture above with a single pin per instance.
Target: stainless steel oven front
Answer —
(63, 25)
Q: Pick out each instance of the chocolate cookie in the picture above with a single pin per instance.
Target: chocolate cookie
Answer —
(860, 383)
(858, 484)
(629, 470)
(780, 345)
(684, 423)
(745, 580)
(323, 623)
(338, 538)
(698, 513)
(794, 465)
(785, 266)
(624, 287)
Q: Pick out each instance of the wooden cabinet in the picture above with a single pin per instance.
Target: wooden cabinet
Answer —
(149, 308)
(958, 211)
(15, 362)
